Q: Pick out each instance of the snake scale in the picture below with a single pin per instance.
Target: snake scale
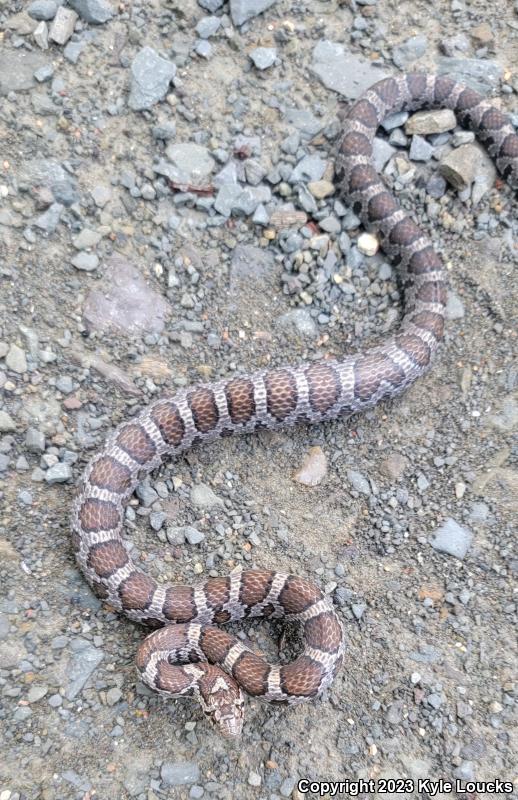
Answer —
(189, 654)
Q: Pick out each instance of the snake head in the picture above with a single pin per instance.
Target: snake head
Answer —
(222, 700)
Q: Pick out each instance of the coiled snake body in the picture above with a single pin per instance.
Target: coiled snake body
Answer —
(189, 654)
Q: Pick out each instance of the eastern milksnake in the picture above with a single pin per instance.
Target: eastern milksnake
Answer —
(193, 656)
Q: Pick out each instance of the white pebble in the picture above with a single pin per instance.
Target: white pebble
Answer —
(368, 244)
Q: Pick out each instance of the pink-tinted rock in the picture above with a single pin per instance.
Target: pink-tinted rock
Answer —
(313, 469)
(127, 303)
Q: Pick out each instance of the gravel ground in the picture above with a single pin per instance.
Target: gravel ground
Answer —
(167, 215)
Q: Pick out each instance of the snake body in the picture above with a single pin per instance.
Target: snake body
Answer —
(189, 654)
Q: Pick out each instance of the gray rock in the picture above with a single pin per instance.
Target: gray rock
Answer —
(208, 26)
(452, 538)
(65, 192)
(420, 149)
(203, 48)
(309, 168)
(42, 9)
(24, 496)
(358, 609)
(454, 306)
(86, 262)
(84, 660)
(63, 25)
(73, 50)
(17, 68)
(36, 693)
(192, 535)
(16, 359)
(44, 73)
(226, 197)
(94, 11)
(191, 163)
(35, 441)
(165, 131)
(41, 36)
(179, 773)
(7, 423)
(126, 302)
(49, 220)
(59, 473)
(86, 238)
(157, 519)
(481, 74)
(359, 482)
(346, 73)
(436, 186)
(146, 494)
(409, 51)
(465, 772)
(65, 384)
(150, 78)
(249, 198)
(263, 57)
(479, 513)
(243, 10)
(307, 126)
(396, 120)
(382, 152)
(113, 695)
(301, 320)
(202, 496)
(4, 626)
(210, 5)
(101, 195)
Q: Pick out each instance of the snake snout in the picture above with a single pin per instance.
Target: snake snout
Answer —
(222, 701)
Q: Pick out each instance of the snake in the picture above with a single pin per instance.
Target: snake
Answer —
(188, 653)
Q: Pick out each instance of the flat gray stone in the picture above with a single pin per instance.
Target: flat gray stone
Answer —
(59, 473)
(202, 496)
(452, 539)
(346, 73)
(35, 440)
(150, 78)
(263, 57)
(94, 11)
(409, 51)
(16, 359)
(309, 168)
(359, 482)
(208, 26)
(86, 262)
(382, 152)
(420, 149)
(481, 74)
(190, 163)
(7, 423)
(42, 9)
(125, 302)
(243, 10)
(179, 773)
(84, 660)
(17, 68)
